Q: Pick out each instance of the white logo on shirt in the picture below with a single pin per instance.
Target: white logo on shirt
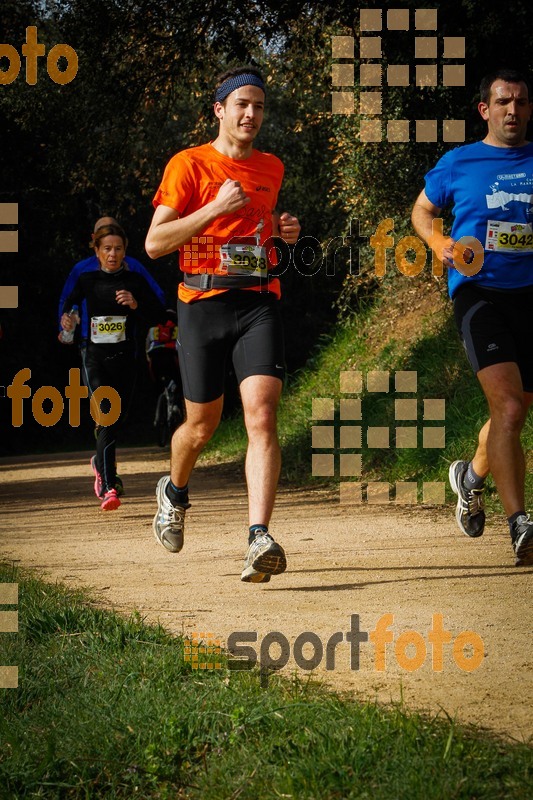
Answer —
(499, 198)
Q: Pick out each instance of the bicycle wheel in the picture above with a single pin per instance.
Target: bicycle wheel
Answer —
(176, 418)
(175, 407)
(161, 420)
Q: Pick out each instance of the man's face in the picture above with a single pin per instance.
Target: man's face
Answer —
(241, 116)
(507, 114)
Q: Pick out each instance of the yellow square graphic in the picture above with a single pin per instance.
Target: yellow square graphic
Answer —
(323, 436)
(453, 75)
(342, 103)
(432, 438)
(433, 493)
(9, 295)
(202, 644)
(377, 381)
(370, 103)
(351, 381)
(426, 19)
(9, 213)
(406, 492)
(377, 492)
(426, 47)
(9, 621)
(350, 408)
(426, 75)
(370, 47)
(323, 465)
(406, 437)
(454, 47)
(434, 409)
(350, 493)
(342, 46)
(198, 250)
(350, 465)
(426, 130)
(9, 677)
(370, 74)
(405, 409)
(377, 438)
(398, 130)
(351, 436)
(406, 380)
(9, 241)
(370, 130)
(398, 75)
(342, 74)
(453, 130)
(398, 19)
(323, 408)
(370, 19)
(9, 593)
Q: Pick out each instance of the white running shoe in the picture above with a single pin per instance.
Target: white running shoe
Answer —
(264, 558)
(169, 522)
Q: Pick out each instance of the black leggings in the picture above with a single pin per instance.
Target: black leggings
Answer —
(106, 365)
(242, 324)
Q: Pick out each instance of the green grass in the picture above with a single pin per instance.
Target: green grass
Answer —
(443, 373)
(107, 708)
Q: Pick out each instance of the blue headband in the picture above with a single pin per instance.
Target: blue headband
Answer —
(230, 84)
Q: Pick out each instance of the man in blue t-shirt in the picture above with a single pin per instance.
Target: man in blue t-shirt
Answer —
(490, 184)
(90, 264)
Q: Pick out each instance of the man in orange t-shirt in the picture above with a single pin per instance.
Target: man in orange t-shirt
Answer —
(216, 205)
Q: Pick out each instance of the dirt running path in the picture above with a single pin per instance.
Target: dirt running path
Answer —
(342, 561)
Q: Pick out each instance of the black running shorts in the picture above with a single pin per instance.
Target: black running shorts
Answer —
(495, 326)
(245, 325)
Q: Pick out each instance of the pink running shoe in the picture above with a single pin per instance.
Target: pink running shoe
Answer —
(98, 483)
(110, 501)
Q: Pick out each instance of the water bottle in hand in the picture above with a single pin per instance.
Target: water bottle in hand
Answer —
(67, 337)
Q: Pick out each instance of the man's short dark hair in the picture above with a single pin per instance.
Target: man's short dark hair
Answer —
(507, 75)
(233, 72)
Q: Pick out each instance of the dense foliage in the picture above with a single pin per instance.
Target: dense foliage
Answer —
(143, 91)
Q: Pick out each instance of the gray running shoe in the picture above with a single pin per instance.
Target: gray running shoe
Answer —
(169, 521)
(264, 558)
(522, 538)
(469, 511)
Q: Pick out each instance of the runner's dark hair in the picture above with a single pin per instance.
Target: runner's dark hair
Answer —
(109, 230)
(233, 72)
(504, 74)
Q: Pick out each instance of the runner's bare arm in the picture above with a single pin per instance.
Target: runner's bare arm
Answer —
(423, 214)
(169, 231)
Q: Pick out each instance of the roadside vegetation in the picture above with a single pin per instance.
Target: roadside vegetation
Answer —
(107, 707)
(404, 325)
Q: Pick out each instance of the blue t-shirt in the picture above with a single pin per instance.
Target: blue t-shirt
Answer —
(489, 186)
(90, 264)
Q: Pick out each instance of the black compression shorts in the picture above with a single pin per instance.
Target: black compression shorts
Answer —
(243, 324)
(495, 326)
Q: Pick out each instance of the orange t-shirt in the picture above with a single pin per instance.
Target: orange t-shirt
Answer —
(192, 179)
